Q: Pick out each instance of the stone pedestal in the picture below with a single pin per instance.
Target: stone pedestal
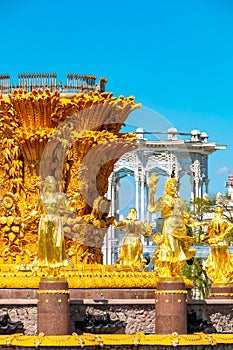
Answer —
(171, 308)
(53, 308)
(221, 291)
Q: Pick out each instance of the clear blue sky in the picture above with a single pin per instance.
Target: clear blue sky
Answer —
(174, 56)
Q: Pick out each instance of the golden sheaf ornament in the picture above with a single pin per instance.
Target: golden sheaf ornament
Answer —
(29, 120)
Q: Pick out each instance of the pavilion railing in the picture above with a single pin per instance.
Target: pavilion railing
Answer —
(75, 83)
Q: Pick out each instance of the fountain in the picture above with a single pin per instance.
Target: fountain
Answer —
(32, 146)
(57, 152)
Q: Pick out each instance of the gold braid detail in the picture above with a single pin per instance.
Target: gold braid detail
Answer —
(58, 291)
(75, 340)
(221, 294)
(171, 291)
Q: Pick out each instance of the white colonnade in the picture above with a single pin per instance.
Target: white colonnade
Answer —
(179, 154)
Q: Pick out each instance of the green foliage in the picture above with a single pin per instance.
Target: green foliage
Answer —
(198, 208)
(198, 276)
(228, 212)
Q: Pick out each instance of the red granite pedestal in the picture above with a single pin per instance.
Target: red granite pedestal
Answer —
(171, 308)
(53, 308)
(221, 291)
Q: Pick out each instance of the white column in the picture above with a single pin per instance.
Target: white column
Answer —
(147, 198)
(136, 177)
(142, 185)
(117, 193)
(109, 187)
(200, 189)
(111, 232)
(196, 175)
(107, 238)
(106, 247)
(192, 186)
(113, 196)
(196, 188)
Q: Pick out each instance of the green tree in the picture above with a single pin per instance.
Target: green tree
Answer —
(198, 208)
(198, 276)
(193, 270)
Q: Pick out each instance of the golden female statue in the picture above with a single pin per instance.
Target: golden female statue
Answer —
(131, 253)
(174, 243)
(219, 265)
(51, 248)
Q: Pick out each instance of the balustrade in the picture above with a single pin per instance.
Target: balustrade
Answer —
(75, 83)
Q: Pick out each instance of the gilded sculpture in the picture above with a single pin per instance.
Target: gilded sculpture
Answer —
(219, 265)
(77, 141)
(131, 253)
(173, 243)
(51, 246)
(74, 142)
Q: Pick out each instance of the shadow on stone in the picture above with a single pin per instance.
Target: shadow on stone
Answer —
(199, 325)
(9, 327)
(99, 324)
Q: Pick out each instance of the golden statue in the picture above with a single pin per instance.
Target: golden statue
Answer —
(51, 248)
(131, 253)
(174, 243)
(219, 265)
(86, 127)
